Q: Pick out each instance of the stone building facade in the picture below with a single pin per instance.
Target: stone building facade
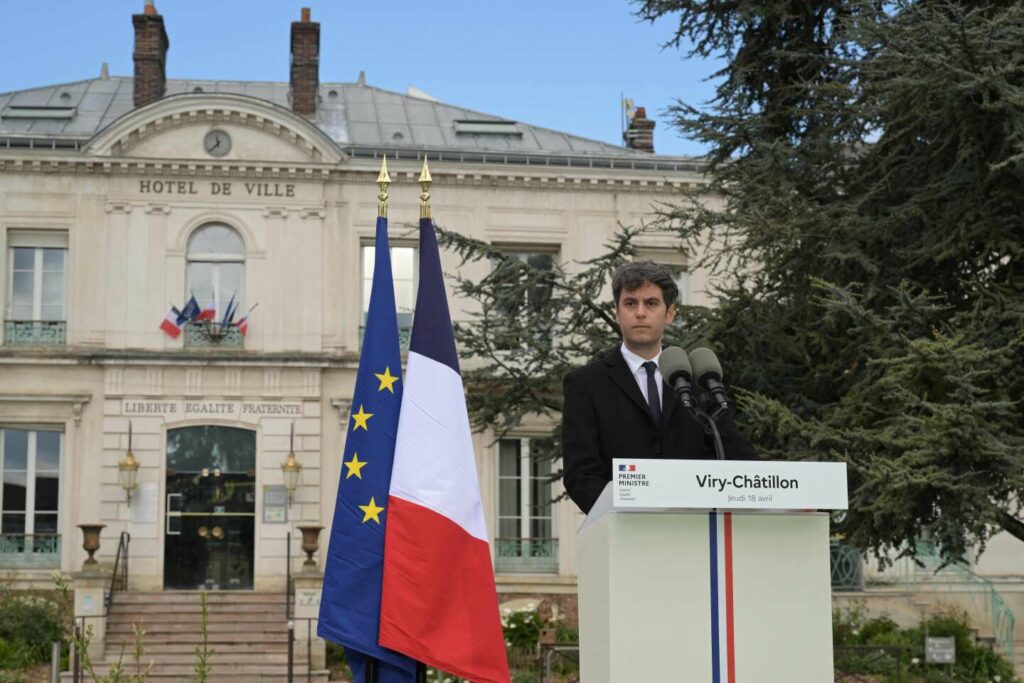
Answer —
(120, 196)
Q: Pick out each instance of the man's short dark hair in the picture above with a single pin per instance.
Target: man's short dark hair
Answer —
(635, 274)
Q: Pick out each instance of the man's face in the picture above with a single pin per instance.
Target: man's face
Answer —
(642, 316)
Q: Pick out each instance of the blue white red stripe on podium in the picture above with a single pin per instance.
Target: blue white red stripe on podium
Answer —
(723, 651)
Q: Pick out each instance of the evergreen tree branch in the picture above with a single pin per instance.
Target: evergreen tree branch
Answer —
(1011, 524)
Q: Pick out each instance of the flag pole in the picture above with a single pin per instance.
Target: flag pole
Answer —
(383, 181)
(424, 182)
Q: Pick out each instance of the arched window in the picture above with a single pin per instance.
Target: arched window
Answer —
(216, 267)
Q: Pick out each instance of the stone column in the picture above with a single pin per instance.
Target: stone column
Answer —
(308, 588)
(89, 586)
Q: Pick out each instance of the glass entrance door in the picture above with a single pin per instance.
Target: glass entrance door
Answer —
(210, 508)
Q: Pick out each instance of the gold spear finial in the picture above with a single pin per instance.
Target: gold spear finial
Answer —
(383, 180)
(425, 181)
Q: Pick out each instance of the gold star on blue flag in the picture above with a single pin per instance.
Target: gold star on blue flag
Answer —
(350, 605)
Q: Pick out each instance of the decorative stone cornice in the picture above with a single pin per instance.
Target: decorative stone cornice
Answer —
(75, 401)
(77, 355)
(500, 177)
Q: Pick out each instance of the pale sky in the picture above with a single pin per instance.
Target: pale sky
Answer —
(561, 65)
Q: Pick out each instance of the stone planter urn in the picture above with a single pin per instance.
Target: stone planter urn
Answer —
(310, 544)
(91, 542)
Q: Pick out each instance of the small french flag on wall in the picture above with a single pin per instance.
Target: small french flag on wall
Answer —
(243, 324)
(173, 323)
(208, 312)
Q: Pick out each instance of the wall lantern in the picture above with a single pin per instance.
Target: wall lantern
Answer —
(128, 469)
(291, 468)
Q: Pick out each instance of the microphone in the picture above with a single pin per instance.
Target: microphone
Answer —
(675, 368)
(708, 372)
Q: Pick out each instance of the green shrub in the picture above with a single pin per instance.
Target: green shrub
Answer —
(564, 633)
(15, 655)
(522, 630)
(28, 624)
(525, 676)
(335, 654)
(974, 663)
(337, 663)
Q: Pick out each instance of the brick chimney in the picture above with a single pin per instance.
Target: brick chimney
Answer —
(150, 55)
(305, 68)
(640, 134)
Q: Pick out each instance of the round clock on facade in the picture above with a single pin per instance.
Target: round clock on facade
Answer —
(217, 143)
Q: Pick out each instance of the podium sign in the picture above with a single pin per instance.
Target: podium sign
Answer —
(706, 597)
(709, 571)
(728, 484)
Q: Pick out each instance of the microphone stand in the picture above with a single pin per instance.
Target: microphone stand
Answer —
(708, 420)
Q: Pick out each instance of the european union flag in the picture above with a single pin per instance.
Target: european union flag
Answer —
(190, 311)
(350, 605)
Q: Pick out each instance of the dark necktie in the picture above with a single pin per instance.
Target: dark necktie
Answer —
(653, 398)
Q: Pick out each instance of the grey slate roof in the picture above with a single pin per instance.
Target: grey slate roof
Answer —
(352, 114)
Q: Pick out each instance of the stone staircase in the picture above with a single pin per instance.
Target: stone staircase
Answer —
(247, 632)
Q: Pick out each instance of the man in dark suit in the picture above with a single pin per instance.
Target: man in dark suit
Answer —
(618, 406)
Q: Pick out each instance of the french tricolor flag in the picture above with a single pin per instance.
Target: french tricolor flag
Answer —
(173, 322)
(439, 604)
(208, 312)
(243, 323)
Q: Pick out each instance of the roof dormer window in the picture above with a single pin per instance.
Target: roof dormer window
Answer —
(51, 113)
(487, 127)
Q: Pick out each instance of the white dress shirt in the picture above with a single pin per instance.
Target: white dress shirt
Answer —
(636, 366)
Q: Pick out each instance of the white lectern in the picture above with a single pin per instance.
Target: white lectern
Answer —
(709, 571)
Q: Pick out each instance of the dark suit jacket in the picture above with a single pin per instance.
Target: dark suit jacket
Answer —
(605, 416)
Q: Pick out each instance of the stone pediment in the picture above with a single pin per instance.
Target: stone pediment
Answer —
(175, 127)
